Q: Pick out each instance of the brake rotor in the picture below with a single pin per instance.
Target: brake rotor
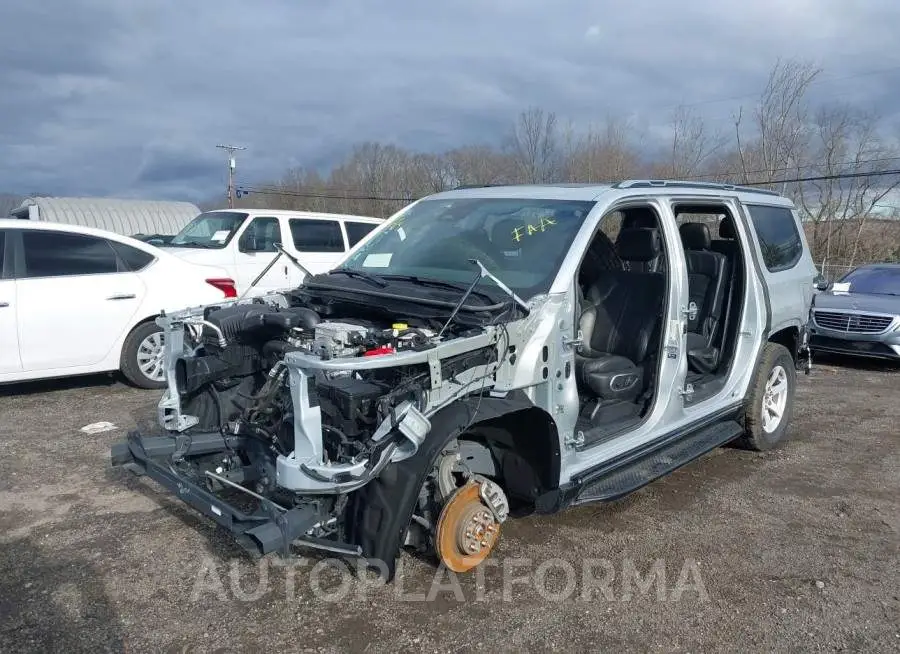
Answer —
(467, 530)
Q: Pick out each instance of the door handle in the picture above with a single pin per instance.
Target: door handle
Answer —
(122, 296)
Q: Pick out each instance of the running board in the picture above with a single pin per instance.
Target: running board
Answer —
(615, 482)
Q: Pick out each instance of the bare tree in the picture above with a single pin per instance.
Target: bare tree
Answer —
(372, 181)
(602, 155)
(850, 160)
(478, 165)
(780, 121)
(533, 145)
(842, 149)
(428, 173)
(693, 145)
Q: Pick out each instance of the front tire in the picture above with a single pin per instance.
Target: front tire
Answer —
(770, 405)
(142, 361)
(379, 514)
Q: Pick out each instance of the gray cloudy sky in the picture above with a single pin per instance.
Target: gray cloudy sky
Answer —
(129, 98)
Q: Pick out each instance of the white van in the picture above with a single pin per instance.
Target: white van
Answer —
(242, 241)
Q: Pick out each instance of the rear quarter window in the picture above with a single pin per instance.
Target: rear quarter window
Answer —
(357, 231)
(779, 240)
(132, 259)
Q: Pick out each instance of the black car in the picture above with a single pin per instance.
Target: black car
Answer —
(859, 314)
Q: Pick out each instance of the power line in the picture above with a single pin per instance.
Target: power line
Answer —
(246, 190)
(350, 196)
(825, 178)
(348, 193)
(789, 168)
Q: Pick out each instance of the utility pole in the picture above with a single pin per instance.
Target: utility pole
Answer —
(231, 149)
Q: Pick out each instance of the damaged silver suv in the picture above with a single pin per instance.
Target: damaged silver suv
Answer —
(483, 354)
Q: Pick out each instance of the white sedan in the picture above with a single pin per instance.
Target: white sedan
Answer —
(76, 300)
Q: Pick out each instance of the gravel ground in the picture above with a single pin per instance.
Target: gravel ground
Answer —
(793, 550)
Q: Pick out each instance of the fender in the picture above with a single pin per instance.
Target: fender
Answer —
(378, 514)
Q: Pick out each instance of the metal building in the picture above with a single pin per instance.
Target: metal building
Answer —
(127, 217)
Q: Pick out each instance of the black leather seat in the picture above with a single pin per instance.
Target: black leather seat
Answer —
(621, 322)
(708, 276)
(600, 259)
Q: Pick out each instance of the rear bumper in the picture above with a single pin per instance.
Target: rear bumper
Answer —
(269, 528)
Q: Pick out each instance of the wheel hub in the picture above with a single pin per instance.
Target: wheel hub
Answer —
(475, 528)
(774, 399)
(467, 529)
(150, 356)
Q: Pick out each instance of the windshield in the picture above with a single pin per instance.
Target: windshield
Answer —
(209, 230)
(877, 281)
(521, 241)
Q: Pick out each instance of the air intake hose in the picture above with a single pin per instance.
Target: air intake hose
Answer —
(193, 373)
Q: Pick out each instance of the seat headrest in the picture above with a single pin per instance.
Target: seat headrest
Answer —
(695, 236)
(638, 244)
(726, 228)
(638, 217)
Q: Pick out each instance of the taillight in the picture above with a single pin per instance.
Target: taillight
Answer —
(224, 284)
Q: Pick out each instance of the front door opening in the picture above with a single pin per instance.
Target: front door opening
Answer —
(622, 284)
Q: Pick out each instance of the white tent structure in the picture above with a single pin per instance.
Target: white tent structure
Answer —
(127, 217)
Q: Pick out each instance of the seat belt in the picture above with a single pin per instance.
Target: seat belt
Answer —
(728, 303)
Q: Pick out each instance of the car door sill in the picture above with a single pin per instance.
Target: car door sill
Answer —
(640, 466)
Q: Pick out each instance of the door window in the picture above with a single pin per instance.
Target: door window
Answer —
(317, 235)
(261, 235)
(58, 254)
(357, 231)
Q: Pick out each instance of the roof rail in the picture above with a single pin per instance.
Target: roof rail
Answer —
(668, 183)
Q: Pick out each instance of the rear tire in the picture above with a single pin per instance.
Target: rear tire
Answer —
(769, 406)
(141, 356)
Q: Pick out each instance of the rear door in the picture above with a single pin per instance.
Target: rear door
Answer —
(319, 243)
(786, 264)
(75, 299)
(255, 250)
(9, 333)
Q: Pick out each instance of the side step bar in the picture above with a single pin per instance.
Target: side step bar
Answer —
(609, 484)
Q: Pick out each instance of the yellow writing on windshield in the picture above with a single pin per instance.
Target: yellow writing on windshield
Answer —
(529, 229)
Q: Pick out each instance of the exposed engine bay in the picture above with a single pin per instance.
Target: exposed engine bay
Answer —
(281, 375)
(309, 393)
(278, 409)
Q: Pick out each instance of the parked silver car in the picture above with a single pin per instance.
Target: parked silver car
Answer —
(859, 314)
(485, 353)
